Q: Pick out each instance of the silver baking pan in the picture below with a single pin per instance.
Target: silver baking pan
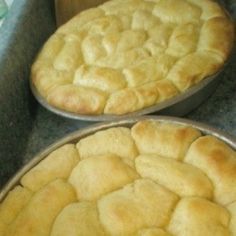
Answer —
(179, 105)
(76, 136)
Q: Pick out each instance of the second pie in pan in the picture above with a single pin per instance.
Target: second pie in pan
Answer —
(151, 178)
(124, 56)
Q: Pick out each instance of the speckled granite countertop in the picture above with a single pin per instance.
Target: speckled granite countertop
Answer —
(26, 127)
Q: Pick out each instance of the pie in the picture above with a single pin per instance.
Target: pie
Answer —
(124, 56)
(153, 179)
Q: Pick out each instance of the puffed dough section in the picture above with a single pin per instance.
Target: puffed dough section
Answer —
(155, 178)
(140, 51)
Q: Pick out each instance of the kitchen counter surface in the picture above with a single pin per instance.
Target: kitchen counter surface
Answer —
(8, 3)
(26, 127)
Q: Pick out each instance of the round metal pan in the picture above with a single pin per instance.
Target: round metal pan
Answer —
(76, 136)
(178, 105)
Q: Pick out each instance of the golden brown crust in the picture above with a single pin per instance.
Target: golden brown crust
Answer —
(12, 205)
(218, 161)
(105, 79)
(214, 36)
(80, 219)
(136, 206)
(167, 140)
(197, 216)
(132, 99)
(232, 225)
(102, 143)
(117, 48)
(80, 99)
(154, 178)
(202, 63)
(92, 177)
(38, 215)
(58, 164)
(153, 232)
(139, 97)
(210, 9)
(181, 178)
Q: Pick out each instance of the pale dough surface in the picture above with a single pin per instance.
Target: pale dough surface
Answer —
(124, 56)
(152, 179)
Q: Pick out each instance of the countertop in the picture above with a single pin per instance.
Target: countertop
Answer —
(8, 3)
(26, 127)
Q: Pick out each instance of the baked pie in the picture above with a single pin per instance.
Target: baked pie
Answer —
(153, 179)
(124, 56)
